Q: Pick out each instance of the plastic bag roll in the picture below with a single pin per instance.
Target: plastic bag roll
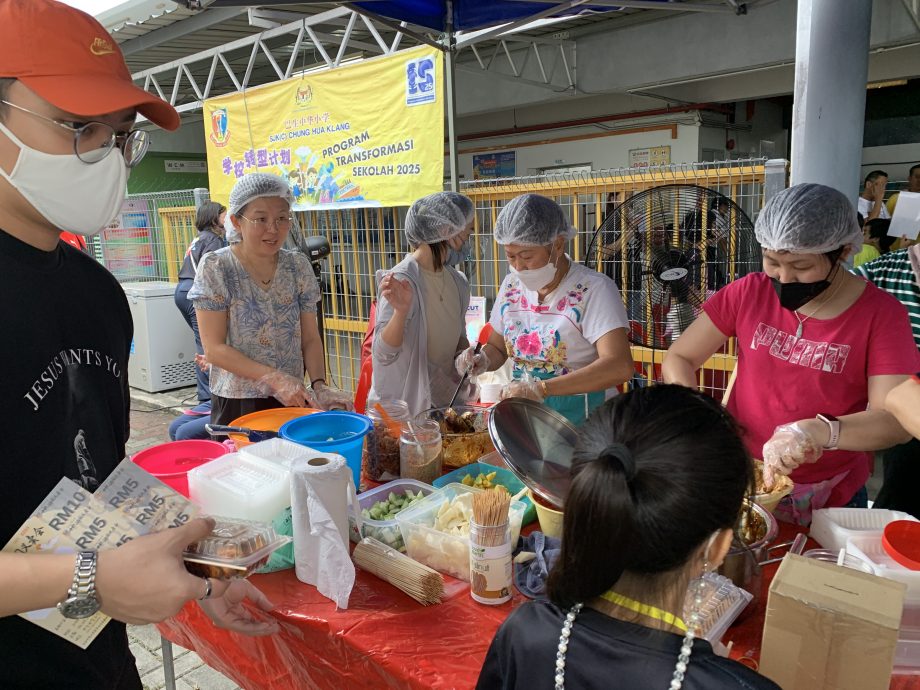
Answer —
(321, 490)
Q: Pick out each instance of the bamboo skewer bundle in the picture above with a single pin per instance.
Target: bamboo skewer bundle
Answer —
(419, 581)
(490, 511)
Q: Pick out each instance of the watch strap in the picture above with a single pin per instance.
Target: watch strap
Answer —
(833, 425)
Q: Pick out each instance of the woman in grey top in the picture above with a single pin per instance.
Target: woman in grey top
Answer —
(421, 307)
(256, 308)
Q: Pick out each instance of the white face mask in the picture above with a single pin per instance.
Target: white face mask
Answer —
(536, 278)
(75, 196)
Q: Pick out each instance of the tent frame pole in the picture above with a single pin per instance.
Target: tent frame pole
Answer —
(450, 57)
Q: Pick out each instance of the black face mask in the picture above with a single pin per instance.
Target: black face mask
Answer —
(794, 296)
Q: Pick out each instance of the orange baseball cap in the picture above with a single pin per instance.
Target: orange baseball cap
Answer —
(70, 60)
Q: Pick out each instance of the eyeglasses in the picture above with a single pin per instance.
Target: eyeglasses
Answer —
(282, 224)
(93, 141)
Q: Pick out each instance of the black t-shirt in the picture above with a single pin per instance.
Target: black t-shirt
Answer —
(206, 242)
(64, 399)
(603, 654)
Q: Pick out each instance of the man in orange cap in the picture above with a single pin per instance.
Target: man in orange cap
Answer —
(67, 142)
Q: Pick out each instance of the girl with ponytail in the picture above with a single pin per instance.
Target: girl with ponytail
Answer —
(658, 479)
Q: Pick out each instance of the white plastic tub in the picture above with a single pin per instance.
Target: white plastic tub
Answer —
(833, 527)
(240, 486)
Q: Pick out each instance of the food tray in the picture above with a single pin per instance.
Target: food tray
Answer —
(503, 476)
(445, 553)
(833, 527)
(723, 602)
(278, 451)
(234, 549)
(242, 487)
(386, 531)
(868, 548)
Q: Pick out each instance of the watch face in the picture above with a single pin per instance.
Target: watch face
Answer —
(79, 607)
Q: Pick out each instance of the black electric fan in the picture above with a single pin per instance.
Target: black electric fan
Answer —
(668, 248)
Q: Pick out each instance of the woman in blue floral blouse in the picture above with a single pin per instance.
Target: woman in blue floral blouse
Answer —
(256, 307)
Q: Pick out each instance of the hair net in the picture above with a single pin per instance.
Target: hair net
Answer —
(808, 219)
(256, 186)
(438, 217)
(249, 187)
(532, 220)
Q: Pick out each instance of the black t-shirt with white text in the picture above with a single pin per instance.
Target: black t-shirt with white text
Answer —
(64, 401)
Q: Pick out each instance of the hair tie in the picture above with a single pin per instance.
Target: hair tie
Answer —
(624, 456)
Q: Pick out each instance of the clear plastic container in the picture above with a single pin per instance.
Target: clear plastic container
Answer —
(277, 450)
(386, 531)
(381, 449)
(722, 603)
(849, 560)
(234, 549)
(421, 452)
(490, 563)
(242, 487)
(446, 553)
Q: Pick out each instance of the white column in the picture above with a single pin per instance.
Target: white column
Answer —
(831, 68)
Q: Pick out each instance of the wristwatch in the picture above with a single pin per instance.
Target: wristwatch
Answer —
(834, 425)
(82, 601)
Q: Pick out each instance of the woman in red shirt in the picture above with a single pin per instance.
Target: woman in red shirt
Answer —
(818, 350)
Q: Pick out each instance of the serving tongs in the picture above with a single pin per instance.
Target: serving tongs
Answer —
(254, 435)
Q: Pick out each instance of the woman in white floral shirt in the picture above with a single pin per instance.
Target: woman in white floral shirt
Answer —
(256, 308)
(562, 324)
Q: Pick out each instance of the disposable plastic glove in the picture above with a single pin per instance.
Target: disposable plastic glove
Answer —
(468, 360)
(789, 447)
(532, 390)
(331, 398)
(290, 391)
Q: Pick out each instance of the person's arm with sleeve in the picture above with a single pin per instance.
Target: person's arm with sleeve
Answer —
(211, 298)
(903, 402)
(891, 348)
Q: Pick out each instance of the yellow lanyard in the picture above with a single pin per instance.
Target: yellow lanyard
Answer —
(645, 609)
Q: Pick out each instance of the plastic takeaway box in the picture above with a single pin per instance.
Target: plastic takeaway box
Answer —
(444, 552)
(233, 549)
(240, 486)
(722, 603)
(278, 451)
(833, 527)
(503, 476)
(386, 531)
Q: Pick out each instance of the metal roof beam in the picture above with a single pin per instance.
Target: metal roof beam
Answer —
(189, 25)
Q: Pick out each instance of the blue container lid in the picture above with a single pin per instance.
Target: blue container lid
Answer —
(326, 430)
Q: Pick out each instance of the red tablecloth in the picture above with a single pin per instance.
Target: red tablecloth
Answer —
(385, 639)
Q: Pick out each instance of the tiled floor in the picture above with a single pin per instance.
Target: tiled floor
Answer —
(149, 423)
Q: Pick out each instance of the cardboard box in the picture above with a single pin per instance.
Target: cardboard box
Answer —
(829, 627)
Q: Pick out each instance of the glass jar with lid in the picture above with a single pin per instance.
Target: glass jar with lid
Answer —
(381, 449)
(421, 451)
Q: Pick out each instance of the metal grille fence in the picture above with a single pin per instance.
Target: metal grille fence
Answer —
(364, 241)
(147, 242)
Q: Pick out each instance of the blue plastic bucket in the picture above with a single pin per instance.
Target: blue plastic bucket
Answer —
(331, 432)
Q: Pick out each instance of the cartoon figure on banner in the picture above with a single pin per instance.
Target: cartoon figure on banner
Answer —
(328, 186)
(220, 127)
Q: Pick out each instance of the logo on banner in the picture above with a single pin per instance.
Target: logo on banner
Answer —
(303, 95)
(220, 132)
(420, 74)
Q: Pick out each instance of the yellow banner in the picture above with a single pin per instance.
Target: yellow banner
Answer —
(371, 134)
